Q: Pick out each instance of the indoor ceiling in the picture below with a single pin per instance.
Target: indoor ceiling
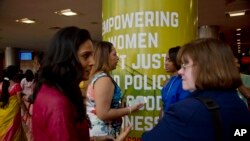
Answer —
(36, 36)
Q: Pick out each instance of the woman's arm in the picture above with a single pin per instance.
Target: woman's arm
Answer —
(161, 113)
(104, 90)
(244, 91)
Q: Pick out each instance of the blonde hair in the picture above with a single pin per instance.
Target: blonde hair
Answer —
(102, 51)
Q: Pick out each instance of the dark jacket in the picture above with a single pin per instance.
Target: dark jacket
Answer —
(190, 120)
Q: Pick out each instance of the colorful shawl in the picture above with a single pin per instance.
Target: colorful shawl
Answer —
(10, 117)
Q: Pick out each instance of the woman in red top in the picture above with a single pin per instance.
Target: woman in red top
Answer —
(58, 112)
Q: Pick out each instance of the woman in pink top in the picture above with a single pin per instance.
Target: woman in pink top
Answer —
(58, 111)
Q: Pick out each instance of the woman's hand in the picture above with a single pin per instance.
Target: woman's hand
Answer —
(136, 107)
(245, 91)
(102, 138)
(25, 98)
(124, 134)
(121, 137)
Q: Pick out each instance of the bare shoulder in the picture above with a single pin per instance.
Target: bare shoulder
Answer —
(105, 80)
(104, 85)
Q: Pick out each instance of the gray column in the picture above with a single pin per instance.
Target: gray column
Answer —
(10, 56)
(209, 31)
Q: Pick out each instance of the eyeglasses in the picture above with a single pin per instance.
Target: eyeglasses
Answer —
(185, 66)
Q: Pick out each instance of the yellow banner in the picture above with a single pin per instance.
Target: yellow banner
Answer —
(142, 31)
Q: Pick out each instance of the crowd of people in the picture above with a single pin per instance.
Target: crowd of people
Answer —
(10, 103)
(50, 105)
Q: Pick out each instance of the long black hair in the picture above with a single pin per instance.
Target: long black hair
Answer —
(10, 73)
(61, 67)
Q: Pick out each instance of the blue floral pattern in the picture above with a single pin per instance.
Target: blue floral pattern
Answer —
(98, 126)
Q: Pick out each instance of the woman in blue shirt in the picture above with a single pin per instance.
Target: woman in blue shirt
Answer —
(172, 91)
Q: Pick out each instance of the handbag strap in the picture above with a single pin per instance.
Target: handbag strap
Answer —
(213, 108)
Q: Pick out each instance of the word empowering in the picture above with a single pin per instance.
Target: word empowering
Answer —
(141, 19)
